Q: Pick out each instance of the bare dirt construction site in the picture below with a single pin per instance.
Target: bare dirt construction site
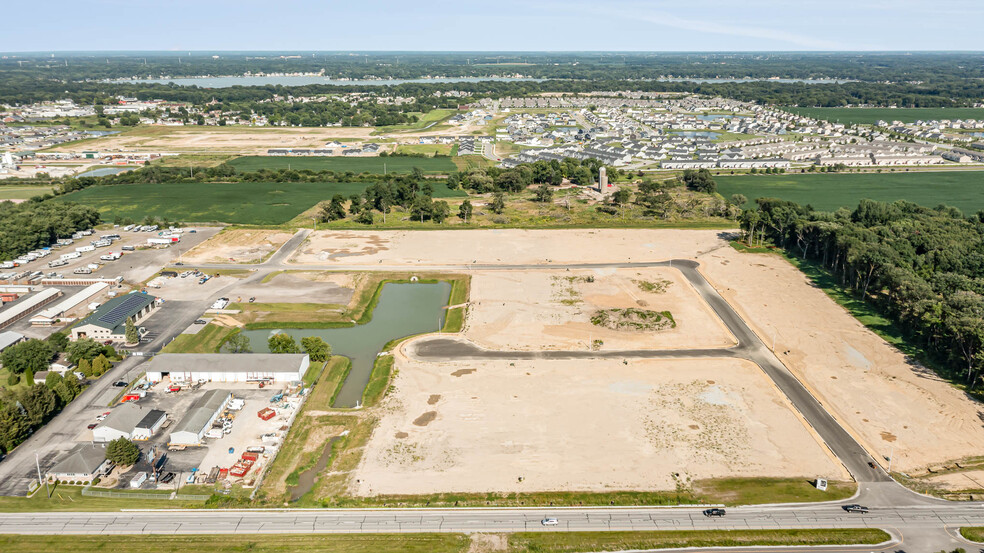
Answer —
(540, 310)
(237, 246)
(581, 424)
(586, 425)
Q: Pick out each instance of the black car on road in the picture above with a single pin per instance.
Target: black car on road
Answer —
(714, 512)
(855, 508)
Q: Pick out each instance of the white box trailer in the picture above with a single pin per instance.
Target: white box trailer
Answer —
(81, 249)
(72, 255)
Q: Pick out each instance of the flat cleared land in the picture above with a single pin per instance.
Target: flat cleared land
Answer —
(237, 246)
(891, 404)
(868, 116)
(509, 246)
(541, 310)
(584, 425)
(961, 189)
(254, 203)
(341, 164)
(885, 400)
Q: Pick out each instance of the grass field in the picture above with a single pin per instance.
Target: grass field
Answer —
(961, 189)
(426, 149)
(281, 543)
(238, 203)
(341, 164)
(21, 191)
(868, 116)
(573, 542)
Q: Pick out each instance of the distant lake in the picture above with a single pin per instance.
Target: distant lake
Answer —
(104, 171)
(300, 80)
(749, 80)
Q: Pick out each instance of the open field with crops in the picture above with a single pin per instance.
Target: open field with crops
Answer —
(256, 203)
(960, 189)
(868, 116)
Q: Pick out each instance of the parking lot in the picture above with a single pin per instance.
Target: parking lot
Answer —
(247, 430)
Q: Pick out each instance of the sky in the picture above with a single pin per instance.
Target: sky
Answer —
(501, 25)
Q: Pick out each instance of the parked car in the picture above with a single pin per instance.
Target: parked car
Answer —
(855, 508)
(200, 321)
(93, 425)
(714, 512)
(121, 383)
(549, 521)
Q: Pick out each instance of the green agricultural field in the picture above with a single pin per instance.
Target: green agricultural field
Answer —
(21, 192)
(961, 189)
(868, 116)
(248, 203)
(341, 164)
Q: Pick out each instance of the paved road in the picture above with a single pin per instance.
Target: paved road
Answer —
(486, 520)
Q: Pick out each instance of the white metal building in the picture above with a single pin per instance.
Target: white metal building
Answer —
(199, 418)
(228, 367)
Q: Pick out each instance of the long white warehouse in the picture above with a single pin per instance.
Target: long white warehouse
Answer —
(228, 367)
(47, 317)
(23, 307)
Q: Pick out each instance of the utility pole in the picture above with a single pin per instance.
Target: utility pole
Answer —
(37, 462)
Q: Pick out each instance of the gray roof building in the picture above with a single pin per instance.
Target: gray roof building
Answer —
(199, 418)
(83, 462)
(9, 338)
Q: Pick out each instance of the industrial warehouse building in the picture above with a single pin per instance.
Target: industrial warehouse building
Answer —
(228, 367)
(129, 421)
(199, 418)
(109, 321)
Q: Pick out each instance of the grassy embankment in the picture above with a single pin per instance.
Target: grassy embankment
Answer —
(70, 498)
(827, 192)
(358, 311)
(529, 542)
(430, 121)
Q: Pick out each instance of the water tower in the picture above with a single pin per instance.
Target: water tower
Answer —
(602, 180)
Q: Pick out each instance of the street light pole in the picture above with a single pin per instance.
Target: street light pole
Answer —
(37, 462)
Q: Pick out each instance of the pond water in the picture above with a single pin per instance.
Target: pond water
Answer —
(301, 80)
(403, 310)
(104, 171)
(698, 134)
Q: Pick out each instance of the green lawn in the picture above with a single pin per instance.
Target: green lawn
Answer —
(341, 164)
(253, 203)
(961, 189)
(22, 191)
(207, 340)
(280, 543)
(973, 533)
(573, 542)
(868, 116)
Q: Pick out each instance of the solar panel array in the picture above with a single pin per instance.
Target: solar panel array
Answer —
(118, 314)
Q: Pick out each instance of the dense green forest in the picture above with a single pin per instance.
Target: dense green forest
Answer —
(922, 268)
(919, 80)
(36, 224)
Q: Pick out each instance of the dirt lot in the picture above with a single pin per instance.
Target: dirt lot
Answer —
(504, 246)
(582, 425)
(300, 286)
(536, 310)
(238, 246)
(886, 401)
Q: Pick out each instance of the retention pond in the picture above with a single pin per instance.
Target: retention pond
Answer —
(402, 310)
